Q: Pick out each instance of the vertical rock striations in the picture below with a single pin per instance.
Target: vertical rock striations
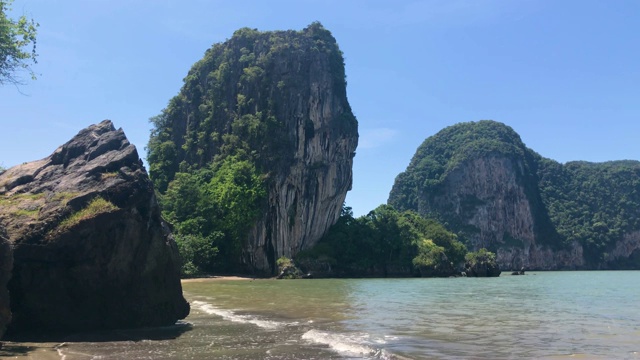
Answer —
(90, 248)
(279, 99)
(486, 185)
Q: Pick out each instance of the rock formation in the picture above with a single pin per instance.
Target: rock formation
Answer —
(281, 97)
(6, 264)
(90, 248)
(487, 186)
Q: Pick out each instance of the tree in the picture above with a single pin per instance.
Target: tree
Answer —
(17, 45)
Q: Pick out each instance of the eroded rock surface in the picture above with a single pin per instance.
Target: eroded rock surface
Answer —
(90, 248)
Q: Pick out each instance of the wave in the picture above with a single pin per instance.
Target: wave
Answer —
(232, 316)
(350, 345)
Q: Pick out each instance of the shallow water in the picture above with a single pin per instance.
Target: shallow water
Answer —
(546, 315)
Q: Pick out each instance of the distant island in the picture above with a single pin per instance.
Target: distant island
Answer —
(480, 180)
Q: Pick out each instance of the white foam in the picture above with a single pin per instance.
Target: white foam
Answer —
(231, 316)
(348, 345)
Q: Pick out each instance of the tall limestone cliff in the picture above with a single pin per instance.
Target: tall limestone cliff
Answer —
(486, 185)
(278, 100)
(90, 248)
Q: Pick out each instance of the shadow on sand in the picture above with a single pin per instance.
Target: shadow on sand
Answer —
(20, 345)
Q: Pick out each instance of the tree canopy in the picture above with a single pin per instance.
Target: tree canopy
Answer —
(386, 242)
(17, 45)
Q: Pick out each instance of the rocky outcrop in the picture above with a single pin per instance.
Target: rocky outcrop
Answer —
(494, 192)
(491, 196)
(306, 196)
(6, 264)
(487, 194)
(281, 98)
(482, 270)
(90, 248)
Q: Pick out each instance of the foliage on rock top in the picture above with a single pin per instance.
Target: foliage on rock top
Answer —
(236, 98)
(443, 152)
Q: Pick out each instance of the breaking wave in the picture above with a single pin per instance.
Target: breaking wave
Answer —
(350, 345)
(232, 316)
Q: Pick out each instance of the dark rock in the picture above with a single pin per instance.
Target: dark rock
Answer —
(482, 269)
(290, 272)
(6, 264)
(90, 248)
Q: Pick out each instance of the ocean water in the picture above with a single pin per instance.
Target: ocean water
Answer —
(544, 315)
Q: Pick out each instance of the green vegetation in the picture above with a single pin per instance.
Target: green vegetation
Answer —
(481, 263)
(480, 257)
(17, 45)
(212, 210)
(30, 213)
(215, 147)
(64, 196)
(22, 204)
(17, 198)
(593, 204)
(442, 153)
(95, 207)
(287, 269)
(387, 242)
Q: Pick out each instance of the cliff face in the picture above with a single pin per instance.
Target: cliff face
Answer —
(482, 181)
(6, 264)
(90, 248)
(279, 100)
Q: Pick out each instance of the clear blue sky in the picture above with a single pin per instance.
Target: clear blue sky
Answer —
(565, 74)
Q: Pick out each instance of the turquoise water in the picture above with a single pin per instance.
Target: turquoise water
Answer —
(546, 315)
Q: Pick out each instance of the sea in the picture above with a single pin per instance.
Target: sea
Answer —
(540, 315)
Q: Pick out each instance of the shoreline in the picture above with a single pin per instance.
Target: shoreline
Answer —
(221, 278)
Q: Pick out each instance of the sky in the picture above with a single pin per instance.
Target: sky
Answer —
(564, 74)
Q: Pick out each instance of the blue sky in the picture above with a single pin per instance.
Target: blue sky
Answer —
(565, 74)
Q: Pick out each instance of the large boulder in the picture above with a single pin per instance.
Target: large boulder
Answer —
(6, 264)
(91, 250)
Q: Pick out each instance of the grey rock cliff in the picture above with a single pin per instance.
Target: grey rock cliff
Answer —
(90, 248)
(306, 196)
(292, 83)
(6, 264)
(489, 196)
